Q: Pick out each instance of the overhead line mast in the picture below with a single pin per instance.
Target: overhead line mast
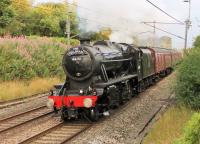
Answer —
(68, 25)
(187, 24)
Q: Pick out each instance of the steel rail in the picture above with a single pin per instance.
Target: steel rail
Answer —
(24, 120)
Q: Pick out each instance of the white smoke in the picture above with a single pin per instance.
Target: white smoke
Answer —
(121, 37)
(124, 17)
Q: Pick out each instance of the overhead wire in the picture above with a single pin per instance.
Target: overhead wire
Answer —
(165, 12)
(170, 23)
(165, 31)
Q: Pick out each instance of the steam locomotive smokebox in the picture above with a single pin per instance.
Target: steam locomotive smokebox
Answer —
(78, 63)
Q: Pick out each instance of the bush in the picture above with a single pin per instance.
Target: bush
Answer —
(191, 132)
(188, 80)
(14, 66)
(197, 42)
(25, 59)
(73, 42)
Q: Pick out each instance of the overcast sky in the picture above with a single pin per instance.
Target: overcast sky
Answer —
(127, 15)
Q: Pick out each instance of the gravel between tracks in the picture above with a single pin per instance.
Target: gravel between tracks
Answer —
(124, 126)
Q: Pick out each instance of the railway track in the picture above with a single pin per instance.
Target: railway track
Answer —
(19, 119)
(18, 101)
(58, 134)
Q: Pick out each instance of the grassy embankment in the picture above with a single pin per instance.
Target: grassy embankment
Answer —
(29, 66)
(18, 89)
(170, 126)
(182, 126)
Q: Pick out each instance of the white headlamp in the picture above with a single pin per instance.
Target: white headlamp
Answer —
(87, 102)
(50, 103)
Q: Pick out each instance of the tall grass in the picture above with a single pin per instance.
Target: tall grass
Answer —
(19, 89)
(169, 127)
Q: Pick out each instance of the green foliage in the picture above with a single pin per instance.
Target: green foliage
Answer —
(191, 132)
(14, 66)
(48, 17)
(170, 126)
(6, 13)
(25, 59)
(19, 17)
(103, 34)
(196, 43)
(63, 40)
(73, 42)
(188, 80)
(95, 36)
(22, 10)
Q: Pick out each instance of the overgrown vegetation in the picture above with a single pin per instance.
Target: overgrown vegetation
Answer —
(7, 14)
(29, 66)
(191, 132)
(170, 126)
(188, 80)
(188, 92)
(197, 42)
(23, 59)
(24, 54)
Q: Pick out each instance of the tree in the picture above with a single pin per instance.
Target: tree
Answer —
(50, 20)
(21, 7)
(6, 14)
(73, 18)
(105, 33)
(197, 42)
(46, 19)
(19, 17)
(188, 80)
(22, 10)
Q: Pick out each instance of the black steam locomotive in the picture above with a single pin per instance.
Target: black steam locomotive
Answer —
(100, 77)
